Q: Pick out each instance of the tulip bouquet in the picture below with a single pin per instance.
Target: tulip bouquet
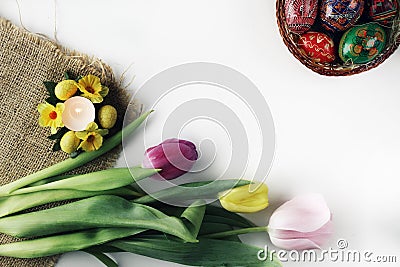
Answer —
(112, 214)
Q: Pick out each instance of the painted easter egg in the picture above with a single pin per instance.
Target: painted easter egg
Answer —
(317, 46)
(362, 43)
(300, 14)
(340, 15)
(383, 10)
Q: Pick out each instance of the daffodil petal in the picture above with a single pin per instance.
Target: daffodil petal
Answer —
(92, 127)
(96, 98)
(82, 135)
(41, 107)
(98, 141)
(53, 130)
(87, 146)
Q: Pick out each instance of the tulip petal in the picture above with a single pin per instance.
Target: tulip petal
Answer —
(294, 244)
(306, 213)
(175, 157)
(319, 237)
(181, 141)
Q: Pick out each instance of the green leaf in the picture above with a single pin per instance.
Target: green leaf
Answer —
(59, 134)
(202, 190)
(104, 91)
(75, 154)
(56, 146)
(66, 75)
(206, 252)
(107, 261)
(52, 100)
(78, 78)
(224, 220)
(50, 87)
(58, 244)
(17, 203)
(213, 214)
(94, 181)
(194, 215)
(211, 228)
(94, 212)
(221, 212)
(52, 179)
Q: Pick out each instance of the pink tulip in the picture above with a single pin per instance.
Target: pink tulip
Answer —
(174, 157)
(305, 222)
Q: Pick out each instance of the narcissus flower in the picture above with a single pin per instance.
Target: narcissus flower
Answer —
(174, 157)
(92, 89)
(301, 223)
(243, 199)
(92, 137)
(50, 116)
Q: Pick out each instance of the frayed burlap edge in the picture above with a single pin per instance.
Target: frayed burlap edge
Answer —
(85, 65)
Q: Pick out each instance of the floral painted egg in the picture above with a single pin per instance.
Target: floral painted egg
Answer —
(300, 14)
(339, 15)
(363, 43)
(383, 10)
(317, 46)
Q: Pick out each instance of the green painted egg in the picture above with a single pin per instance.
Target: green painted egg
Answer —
(361, 44)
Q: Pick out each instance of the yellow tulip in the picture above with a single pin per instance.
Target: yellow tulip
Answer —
(242, 199)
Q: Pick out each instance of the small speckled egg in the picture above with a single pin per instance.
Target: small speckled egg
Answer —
(107, 116)
(69, 142)
(66, 89)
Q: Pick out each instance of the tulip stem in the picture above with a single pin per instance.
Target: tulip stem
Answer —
(238, 232)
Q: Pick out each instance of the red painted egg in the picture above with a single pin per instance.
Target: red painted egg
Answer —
(383, 10)
(340, 15)
(317, 46)
(300, 14)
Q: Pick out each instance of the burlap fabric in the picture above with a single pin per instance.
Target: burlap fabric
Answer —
(26, 60)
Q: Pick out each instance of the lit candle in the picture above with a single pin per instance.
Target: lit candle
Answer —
(78, 113)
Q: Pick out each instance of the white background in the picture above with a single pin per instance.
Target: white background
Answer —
(336, 136)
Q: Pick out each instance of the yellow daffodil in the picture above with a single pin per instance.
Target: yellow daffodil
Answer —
(50, 116)
(92, 89)
(244, 199)
(92, 137)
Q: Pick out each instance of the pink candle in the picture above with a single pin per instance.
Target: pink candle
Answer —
(78, 113)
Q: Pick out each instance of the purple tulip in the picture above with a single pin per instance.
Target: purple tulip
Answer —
(174, 157)
(305, 222)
